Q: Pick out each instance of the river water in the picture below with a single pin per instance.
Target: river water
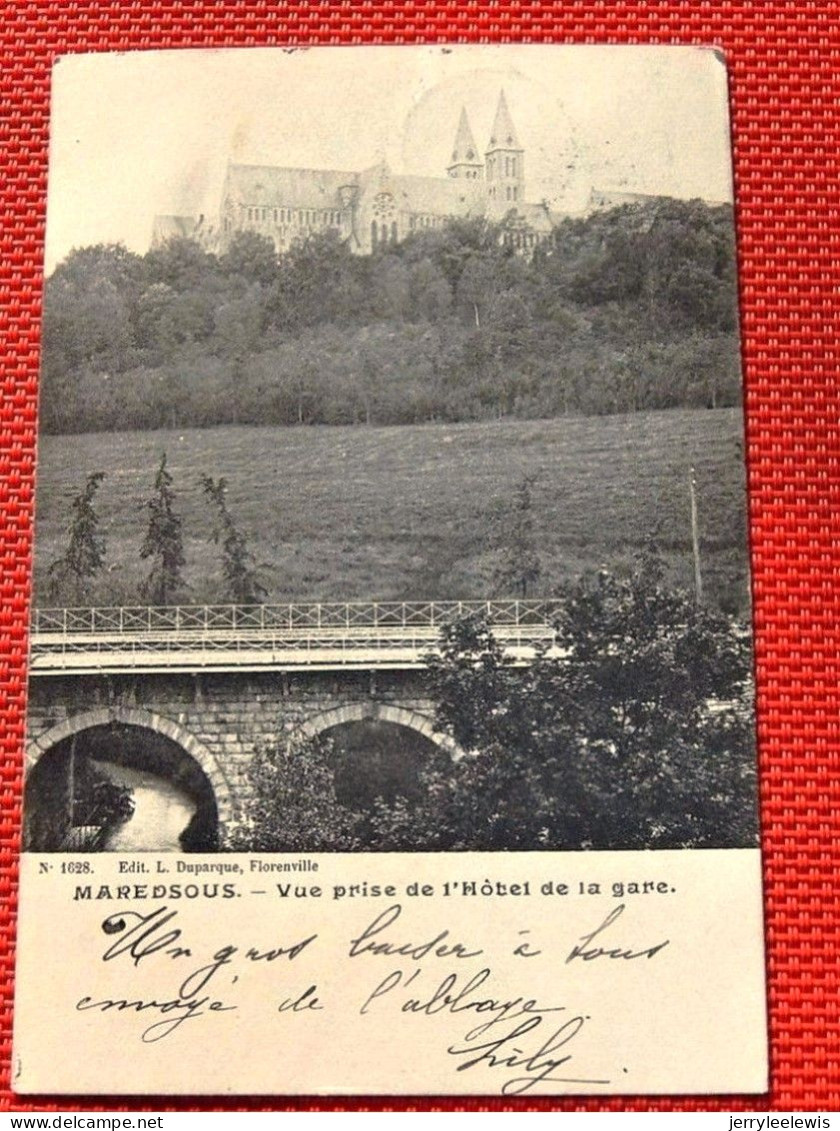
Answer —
(161, 812)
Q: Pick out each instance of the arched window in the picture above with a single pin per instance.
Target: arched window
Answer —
(513, 166)
(394, 231)
(373, 233)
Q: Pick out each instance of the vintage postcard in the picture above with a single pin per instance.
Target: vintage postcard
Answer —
(391, 687)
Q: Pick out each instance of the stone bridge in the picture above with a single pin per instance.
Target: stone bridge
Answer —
(206, 685)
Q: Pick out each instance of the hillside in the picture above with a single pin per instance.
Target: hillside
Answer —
(626, 310)
(414, 511)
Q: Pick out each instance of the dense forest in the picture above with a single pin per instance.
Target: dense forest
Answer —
(621, 311)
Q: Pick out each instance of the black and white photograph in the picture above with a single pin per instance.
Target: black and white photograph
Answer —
(391, 650)
(390, 487)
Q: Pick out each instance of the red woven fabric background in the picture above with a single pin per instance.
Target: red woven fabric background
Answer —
(784, 63)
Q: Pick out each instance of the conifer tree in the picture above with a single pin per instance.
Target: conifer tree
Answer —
(71, 576)
(163, 542)
(242, 582)
(519, 568)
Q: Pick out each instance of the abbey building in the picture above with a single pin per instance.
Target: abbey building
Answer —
(372, 208)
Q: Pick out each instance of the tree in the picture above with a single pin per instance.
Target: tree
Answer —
(88, 305)
(180, 263)
(664, 694)
(251, 257)
(624, 310)
(634, 731)
(238, 324)
(163, 542)
(293, 807)
(518, 569)
(71, 576)
(430, 294)
(242, 582)
(318, 280)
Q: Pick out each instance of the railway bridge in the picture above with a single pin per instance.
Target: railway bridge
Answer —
(187, 693)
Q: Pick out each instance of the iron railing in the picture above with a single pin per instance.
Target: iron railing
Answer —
(347, 615)
(359, 634)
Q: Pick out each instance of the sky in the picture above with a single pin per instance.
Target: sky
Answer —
(138, 134)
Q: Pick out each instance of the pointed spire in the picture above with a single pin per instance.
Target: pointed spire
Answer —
(503, 134)
(465, 148)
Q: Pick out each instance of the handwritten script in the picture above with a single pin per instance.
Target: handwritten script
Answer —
(402, 976)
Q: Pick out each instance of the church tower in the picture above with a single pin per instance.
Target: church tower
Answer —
(465, 164)
(504, 161)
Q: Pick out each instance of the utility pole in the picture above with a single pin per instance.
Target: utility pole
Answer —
(71, 781)
(695, 537)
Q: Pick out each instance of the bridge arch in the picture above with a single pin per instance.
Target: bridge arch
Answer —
(146, 720)
(378, 712)
(379, 751)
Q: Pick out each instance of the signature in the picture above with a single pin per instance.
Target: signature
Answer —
(534, 1067)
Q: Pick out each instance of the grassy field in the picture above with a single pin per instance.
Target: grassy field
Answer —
(414, 512)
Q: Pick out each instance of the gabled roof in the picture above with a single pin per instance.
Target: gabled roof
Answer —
(503, 134)
(269, 186)
(439, 196)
